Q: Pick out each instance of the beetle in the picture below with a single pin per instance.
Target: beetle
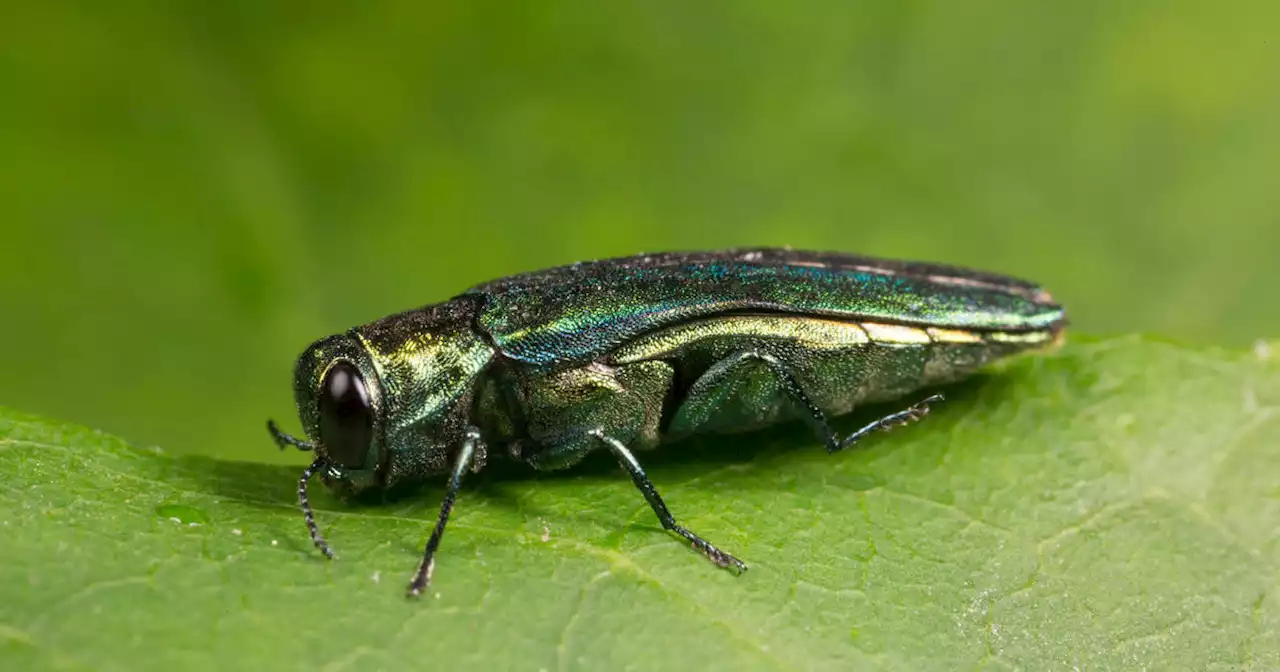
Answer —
(625, 354)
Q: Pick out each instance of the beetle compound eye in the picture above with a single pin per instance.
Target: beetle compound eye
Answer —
(346, 420)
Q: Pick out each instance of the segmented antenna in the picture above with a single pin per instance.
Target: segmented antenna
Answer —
(284, 440)
(305, 505)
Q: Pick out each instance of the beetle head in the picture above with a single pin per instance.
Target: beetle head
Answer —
(342, 406)
(388, 403)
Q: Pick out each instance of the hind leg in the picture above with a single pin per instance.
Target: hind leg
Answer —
(713, 390)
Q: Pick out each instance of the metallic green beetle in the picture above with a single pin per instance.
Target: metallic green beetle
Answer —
(627, 353)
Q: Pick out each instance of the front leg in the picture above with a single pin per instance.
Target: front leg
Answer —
(472, 453)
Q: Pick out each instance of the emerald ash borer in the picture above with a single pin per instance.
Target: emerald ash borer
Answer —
(626, 354)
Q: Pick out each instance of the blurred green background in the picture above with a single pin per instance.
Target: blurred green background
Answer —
(190, 192)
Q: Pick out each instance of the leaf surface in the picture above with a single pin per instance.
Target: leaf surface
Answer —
(1114, 505)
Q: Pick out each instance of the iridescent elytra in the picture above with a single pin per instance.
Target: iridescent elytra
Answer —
(626, 354)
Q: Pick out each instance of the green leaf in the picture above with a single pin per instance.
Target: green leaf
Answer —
(1115, 505)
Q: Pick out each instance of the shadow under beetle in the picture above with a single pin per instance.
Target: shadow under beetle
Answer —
(624, 354)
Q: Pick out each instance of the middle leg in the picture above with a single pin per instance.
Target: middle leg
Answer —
(646, 487)
(578, 411)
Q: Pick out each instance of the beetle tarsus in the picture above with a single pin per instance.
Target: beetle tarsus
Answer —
(906, 416)
(719, 557)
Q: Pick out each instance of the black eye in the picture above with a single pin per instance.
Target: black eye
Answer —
(346, 421)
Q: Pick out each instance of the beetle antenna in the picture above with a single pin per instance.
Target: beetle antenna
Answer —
(284, 440)
(305, 505)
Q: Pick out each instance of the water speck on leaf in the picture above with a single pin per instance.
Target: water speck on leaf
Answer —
(181, 513)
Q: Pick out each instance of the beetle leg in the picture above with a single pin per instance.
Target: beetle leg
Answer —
(642, 483)
(471, 447)
(818, 419)
(906, 416)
